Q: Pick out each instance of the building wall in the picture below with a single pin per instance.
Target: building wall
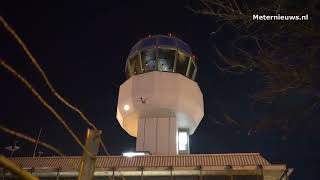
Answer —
(157, 135)
(159, 94)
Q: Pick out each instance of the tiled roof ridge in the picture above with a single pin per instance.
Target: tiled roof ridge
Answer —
(184, 155)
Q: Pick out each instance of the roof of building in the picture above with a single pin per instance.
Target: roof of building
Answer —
(193, 160)
(243, 164)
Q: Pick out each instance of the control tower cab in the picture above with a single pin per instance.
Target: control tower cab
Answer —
(160, 103)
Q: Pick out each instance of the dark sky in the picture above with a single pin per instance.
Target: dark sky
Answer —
(83, 48)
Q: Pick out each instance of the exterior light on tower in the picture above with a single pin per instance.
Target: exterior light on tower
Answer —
(126, 107)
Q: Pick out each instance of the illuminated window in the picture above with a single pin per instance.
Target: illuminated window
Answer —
(192, 68)
(182, 63)
(166, 59)
(134, 66)
(148, 58)
(183, 142)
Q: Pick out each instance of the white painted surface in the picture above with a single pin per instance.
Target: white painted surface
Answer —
(163, 135)
(140, 137)
(150, 138)
(159, 104)
(160, 94)
(157, 135)
(173, 137)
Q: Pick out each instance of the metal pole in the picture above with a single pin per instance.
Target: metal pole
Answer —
(113, 173)
(35, 147)
(11, 155)
(15, 147)
(141, 173)
(58, 173)
(88, 163)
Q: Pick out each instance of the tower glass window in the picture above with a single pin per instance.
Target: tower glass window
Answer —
(167, 41)
(166, 59)
(148, 42)
(182, 63)
(148, 59)
(134, 66)
(191, 69)
(161, 53)
(182, 45)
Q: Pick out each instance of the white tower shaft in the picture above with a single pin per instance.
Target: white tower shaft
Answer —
(157, 135)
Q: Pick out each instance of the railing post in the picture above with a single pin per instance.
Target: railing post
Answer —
(142, 173)
(58, 173)
(230, 171)
(113, 178)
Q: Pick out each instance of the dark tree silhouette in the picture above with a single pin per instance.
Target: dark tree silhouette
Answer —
(284, 54)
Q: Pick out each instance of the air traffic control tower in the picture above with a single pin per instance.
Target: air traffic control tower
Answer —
(160, 103)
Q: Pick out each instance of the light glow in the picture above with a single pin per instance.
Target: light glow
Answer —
(183, 141)
(133, 154)
(126, 107)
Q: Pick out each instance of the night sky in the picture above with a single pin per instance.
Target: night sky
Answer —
(83, 47)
